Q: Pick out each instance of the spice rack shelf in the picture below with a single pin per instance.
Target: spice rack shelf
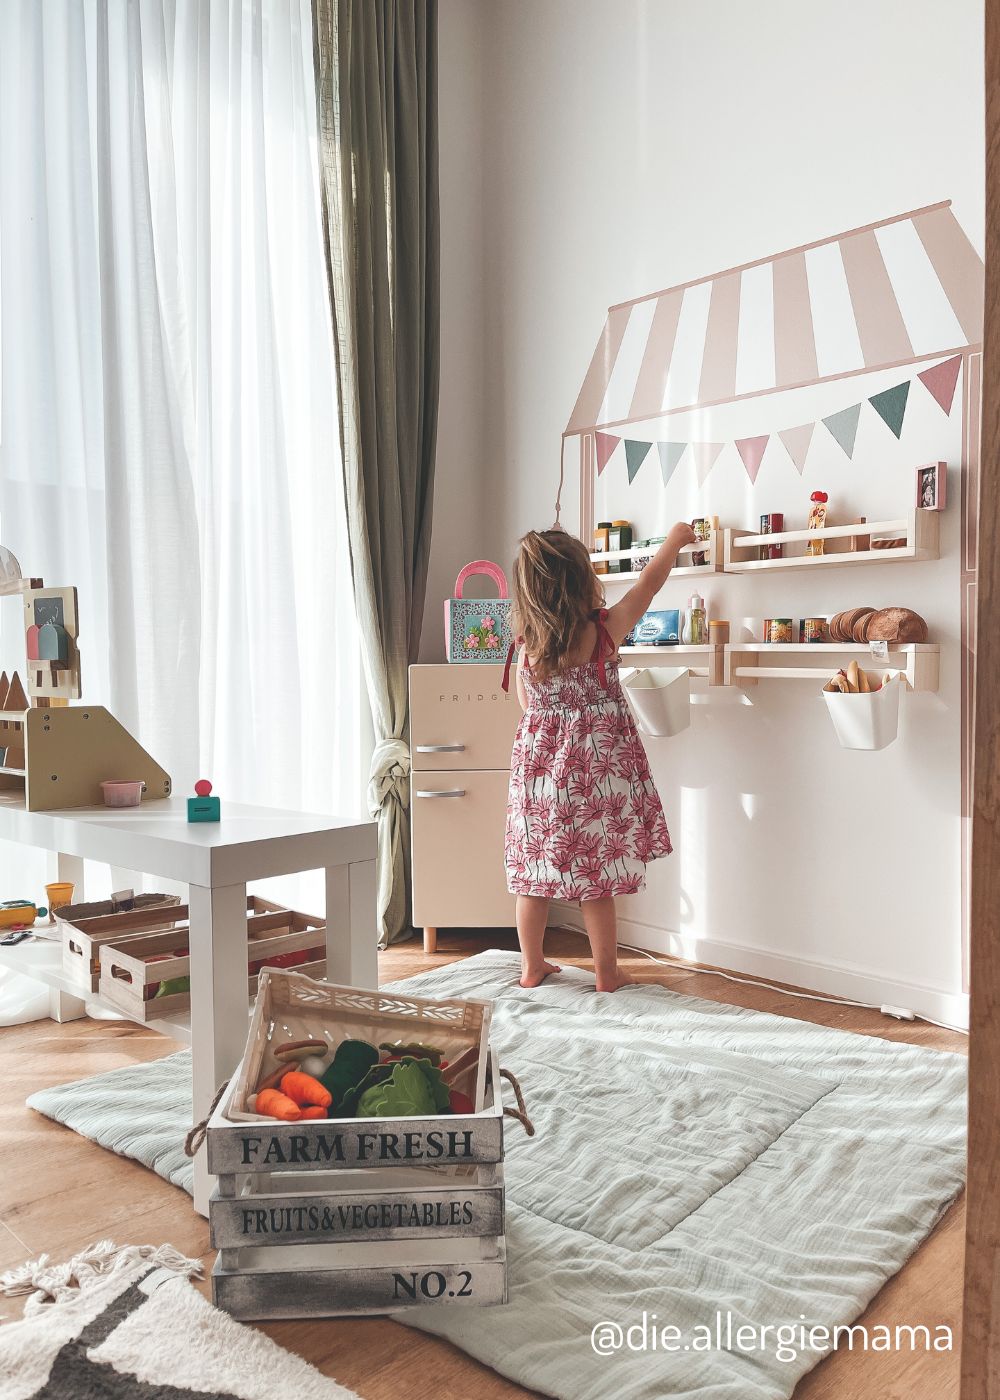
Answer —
(918, 528)
(708, 660)
(713, 547)
(746, 663)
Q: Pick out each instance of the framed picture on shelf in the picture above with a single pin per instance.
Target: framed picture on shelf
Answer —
(932, 480)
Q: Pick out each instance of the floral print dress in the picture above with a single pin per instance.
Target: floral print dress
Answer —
(584, 818)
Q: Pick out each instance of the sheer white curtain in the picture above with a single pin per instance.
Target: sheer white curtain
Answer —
(168, 432)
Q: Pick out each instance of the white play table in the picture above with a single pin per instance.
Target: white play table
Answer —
(215, 860)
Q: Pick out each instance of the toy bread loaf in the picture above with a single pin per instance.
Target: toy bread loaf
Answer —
(896, 625)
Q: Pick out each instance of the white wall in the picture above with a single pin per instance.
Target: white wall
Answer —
(627, 147)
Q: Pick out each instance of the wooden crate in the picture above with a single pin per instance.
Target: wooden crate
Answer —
(84, 928)
(344, 1225)
(358, 1215)
(133, 969)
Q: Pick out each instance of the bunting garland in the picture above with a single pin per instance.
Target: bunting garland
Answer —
(940, 381)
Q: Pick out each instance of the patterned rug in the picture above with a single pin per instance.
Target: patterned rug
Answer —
(701, 1165)
(124, 1323)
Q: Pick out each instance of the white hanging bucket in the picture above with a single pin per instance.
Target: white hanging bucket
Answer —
(660, 699)
(866, 721)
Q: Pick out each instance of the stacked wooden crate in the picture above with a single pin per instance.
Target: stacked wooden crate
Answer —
(358, 1215)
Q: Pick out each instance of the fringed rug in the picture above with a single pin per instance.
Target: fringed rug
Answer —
(699, 1165)
(124, 1323)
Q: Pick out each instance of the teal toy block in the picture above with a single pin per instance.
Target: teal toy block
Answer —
(203, 809)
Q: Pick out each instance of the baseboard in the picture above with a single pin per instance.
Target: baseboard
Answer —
(825, 978)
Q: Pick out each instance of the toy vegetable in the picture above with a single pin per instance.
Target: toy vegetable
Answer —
(273, 1104)
(305, 1091)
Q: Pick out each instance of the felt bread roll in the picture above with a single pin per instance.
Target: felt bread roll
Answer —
(853, 682)
(864, 684)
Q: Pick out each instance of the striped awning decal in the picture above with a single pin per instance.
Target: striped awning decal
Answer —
(896, 291)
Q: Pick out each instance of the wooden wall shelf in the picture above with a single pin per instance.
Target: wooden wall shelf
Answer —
(919, 528)
(706, 661)
(746, 663)
(736, 551)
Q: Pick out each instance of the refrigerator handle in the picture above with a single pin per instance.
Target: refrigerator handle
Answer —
(440, 748)
(445, 792)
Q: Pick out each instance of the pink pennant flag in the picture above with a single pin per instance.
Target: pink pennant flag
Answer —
(796, 443)
(751, 450)
(605, 444)
(705, 456)
(940, 381)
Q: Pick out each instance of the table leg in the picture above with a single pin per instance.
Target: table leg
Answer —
(63, 1006)
(219, 1002)
(68, 869)
(351, 935)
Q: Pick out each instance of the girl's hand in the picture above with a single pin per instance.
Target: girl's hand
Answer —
(681, 534)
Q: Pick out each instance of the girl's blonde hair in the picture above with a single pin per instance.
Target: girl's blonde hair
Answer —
(555, 591)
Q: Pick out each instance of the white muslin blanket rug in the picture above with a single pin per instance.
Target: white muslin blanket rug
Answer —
(699, 1163)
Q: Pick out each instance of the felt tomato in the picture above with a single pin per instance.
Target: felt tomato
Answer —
(460, 1103)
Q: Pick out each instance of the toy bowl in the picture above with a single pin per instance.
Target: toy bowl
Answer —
(121, 793)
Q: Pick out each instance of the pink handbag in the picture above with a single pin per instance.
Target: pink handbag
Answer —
(478, 629)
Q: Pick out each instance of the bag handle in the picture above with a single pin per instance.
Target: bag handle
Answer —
(490, 570)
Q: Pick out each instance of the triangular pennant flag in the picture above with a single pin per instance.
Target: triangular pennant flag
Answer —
(940, 381)
(605, 445)
(670, 454)
(635, 455)
(751, 450)
(844, 426)
(890, 406)
(796, 443)
(705, 456)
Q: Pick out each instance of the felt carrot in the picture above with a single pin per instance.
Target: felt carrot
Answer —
(314, 1111)
(277, 1105)
(303, 1089)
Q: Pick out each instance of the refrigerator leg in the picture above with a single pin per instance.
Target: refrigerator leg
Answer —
(430, 940)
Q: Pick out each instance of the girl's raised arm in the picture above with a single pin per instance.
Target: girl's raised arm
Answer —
(625, 614)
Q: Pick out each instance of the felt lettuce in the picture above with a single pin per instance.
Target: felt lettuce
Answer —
(414, 1088)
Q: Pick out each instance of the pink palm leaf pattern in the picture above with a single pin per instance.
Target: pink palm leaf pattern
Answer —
(583, 817)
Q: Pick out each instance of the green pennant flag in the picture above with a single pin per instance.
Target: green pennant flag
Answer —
(635, 455)
(890, 406)
(844, 426)
(670, 454)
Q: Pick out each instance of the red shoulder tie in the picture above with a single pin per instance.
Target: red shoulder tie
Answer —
(603, 646)
(505, 683)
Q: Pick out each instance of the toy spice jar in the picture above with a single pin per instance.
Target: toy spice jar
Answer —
(772, 524)
(601, 545)
(817, 520)
(702, 531)
(619, 537)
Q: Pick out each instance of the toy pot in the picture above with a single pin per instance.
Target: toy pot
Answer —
(121, 793)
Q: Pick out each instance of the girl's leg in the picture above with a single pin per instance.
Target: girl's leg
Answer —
(532, 916)
(602, 930)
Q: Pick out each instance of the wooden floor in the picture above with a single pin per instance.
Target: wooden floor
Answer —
(59, 1192)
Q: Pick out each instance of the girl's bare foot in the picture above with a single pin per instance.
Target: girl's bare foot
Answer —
(617, 982)
(534, 976)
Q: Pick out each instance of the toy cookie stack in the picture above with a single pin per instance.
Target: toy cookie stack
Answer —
(358, 1150)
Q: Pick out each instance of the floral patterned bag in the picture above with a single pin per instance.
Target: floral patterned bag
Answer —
(478, 629)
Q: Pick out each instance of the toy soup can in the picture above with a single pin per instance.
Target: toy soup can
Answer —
(814, 629)
(771, 524)
(702, 531)
(778, 629)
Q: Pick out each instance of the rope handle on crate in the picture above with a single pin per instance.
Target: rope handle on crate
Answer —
(196, 1136)
(520, 1113)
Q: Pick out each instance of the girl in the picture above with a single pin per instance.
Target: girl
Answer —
(583, 816)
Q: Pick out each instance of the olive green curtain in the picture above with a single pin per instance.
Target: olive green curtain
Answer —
(376, 95)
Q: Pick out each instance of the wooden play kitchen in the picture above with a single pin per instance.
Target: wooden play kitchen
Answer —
(358, 1152)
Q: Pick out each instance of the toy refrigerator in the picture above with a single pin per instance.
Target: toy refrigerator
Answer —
(461, 732)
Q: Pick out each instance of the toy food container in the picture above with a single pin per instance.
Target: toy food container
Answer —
(120, 792)
(660, 628)
(778, 629)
